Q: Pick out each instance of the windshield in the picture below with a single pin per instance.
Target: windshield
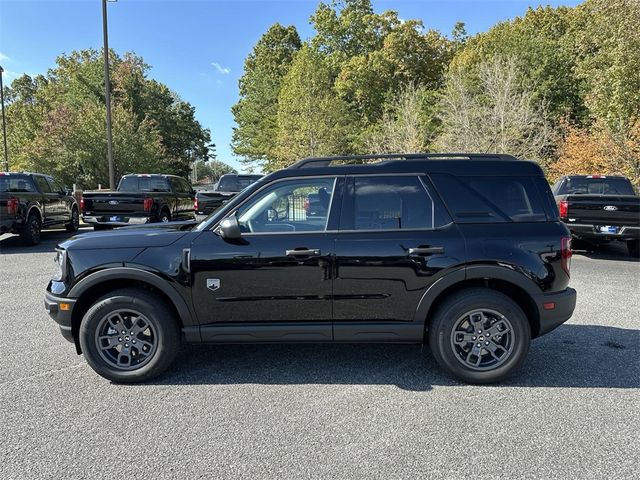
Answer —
(596, 186)
(143, 184)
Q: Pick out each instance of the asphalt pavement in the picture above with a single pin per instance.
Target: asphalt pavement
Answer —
(324, 411)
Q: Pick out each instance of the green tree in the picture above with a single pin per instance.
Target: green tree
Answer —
(150, 122)
(256, 111)
(312, 119)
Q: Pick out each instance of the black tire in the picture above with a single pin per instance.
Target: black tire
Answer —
(74, 224)
(454, 358)
(165, 216)
(30, 234)
(633, 246)
(164, 336)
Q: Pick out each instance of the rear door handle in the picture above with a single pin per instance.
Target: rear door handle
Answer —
(302, 252)
(425, 250)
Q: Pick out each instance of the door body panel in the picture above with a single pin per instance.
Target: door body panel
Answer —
(254, 280)
(377, 279)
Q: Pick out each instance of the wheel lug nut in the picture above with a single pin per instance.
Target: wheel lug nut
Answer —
(479, 344)
(133, 341)
(486, 343)
(123, 332)
(119, 339)
(474, 338)
(126, 345)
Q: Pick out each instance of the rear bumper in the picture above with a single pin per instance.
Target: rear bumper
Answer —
(52, 305)
(555, 308)
(591, 232)
(118, 220)
(10, 226)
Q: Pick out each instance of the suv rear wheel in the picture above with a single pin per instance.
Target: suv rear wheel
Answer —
(479, 335)
(129, 335)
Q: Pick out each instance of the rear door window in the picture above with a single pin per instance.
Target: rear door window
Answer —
(390, 203)
(491, 199)
(43, 185)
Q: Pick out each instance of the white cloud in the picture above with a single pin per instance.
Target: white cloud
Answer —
(4, 57)
(222, 70)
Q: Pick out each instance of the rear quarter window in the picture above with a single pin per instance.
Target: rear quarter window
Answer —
(491, 199)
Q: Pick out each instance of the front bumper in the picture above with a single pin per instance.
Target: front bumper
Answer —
(592, 232)
(554, 309)
(60, 308)
(114, 220)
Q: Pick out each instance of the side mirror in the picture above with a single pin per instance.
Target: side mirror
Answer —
(230, 229)
(68, 192)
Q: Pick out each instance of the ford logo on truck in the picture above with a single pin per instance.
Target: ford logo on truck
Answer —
(610, 208)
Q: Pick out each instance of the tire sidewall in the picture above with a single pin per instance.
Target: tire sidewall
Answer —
(440, 335)
(28, 235)
(74, 223)
(167, 340)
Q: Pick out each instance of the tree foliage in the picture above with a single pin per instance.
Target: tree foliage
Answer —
(312, 120)
(257, 110)
(58, 121)
(486, 110)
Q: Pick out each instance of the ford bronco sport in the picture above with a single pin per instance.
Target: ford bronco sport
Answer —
(462, 251)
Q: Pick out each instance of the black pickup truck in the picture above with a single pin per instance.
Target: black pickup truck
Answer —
(600, 208)
(227, 187)
(30, 202)
(143, 198)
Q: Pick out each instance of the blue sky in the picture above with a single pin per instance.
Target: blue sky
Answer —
(197, 47)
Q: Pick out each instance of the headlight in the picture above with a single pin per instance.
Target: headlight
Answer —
(60, 261)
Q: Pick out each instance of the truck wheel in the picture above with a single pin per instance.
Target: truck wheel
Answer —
(165, 216)
(31, 232)
(479, 335)
(129, 335)
(634, 248)
(74, 224)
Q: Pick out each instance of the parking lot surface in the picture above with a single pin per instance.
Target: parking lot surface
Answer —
(324, 411)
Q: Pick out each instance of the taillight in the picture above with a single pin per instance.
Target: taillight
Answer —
(563, 208)
(195, 204)
(82, 204)
(148, 203)
(566, 254)
(12, 205)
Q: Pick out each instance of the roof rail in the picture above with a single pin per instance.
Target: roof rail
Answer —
(356, 159)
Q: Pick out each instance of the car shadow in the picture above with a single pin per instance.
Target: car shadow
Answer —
(12, 244)
(610, 251)
(573, 356)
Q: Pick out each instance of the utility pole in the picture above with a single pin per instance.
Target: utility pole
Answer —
(107, 96)
(4, 124)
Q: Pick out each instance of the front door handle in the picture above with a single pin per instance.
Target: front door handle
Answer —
(425, 250)
(302, 252)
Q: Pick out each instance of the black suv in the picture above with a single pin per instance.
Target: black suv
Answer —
(465, 252)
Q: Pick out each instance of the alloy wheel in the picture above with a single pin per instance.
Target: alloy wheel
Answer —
(126, 339)
(482, 339)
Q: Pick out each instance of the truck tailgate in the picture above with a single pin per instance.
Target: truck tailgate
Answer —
(604, 209)
(114, 202)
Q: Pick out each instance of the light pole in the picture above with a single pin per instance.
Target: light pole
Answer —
(4, 124)
(107, 94)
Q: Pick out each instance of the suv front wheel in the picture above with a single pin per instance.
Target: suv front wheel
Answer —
(479, 335)
(129, 335)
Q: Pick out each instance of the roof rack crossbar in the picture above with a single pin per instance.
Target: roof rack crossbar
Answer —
(326, 161)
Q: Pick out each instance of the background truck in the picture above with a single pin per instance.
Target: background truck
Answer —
(144, 198)
(600, 208)
(226, 188)
(30, 202)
